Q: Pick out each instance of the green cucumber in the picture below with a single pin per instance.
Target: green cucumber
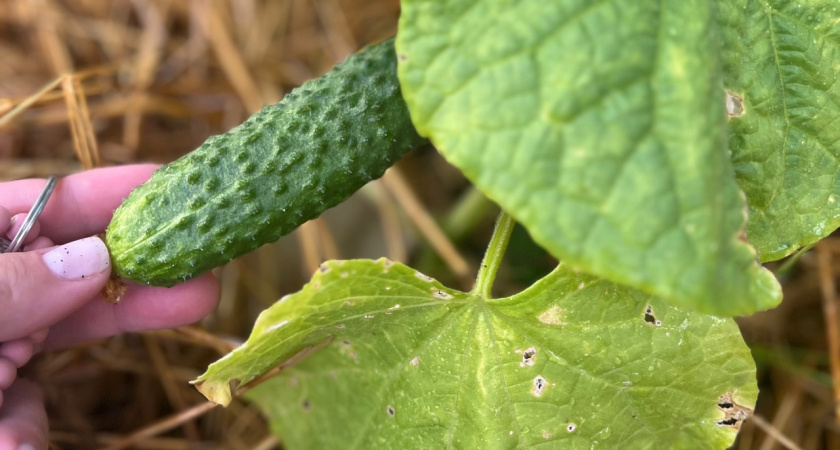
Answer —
(285, 165)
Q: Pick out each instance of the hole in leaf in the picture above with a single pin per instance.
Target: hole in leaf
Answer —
(735, 414)
(415, 361)
(650, 318)
(306, 405)
(734, 105)
(571, 427)
(539, 385)
(528, 357)
(391, 411)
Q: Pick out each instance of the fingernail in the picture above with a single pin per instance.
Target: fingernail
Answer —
(26, 447)
(14, 226)
(78, 259)
(10, 232)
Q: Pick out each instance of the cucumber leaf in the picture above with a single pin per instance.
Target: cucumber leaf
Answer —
(600, 126)
(781, 61)
(572, 362)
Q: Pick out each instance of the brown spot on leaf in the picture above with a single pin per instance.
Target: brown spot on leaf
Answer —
(552, 316)
(424, 277)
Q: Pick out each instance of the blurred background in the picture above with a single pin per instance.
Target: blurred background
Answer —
(86, 83)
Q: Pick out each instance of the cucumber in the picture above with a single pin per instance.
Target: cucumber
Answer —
(285, 165)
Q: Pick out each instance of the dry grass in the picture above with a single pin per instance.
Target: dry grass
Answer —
(88, 83)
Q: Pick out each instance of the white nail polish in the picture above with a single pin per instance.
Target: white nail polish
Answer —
(78, 260)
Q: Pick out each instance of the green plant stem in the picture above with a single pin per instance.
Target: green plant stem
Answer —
(493, 257)
(785, 268)
(470, 210)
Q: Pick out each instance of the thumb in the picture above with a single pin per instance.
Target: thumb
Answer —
(39, 288)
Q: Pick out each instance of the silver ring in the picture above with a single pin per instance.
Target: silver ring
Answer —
(31, 217)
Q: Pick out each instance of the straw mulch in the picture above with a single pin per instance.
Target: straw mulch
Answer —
(86, 83)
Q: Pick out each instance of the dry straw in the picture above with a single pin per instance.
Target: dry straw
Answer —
(87, 83)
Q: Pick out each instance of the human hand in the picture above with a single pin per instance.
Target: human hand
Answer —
(50, 295)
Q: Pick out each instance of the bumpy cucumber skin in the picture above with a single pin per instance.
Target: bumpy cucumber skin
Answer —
(283, 166)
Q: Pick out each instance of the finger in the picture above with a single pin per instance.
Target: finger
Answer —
(39, 243)
(82, 204)
(38, 289)
(23, 421)
(8, 373)
(39, 336)
(18, 351)
(17, 222)
(142, 308)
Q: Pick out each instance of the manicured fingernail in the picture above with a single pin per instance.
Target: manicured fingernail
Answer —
(26, 447)
(78, 259)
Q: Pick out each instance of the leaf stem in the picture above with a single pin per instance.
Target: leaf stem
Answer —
(785, 268)
(493, 257)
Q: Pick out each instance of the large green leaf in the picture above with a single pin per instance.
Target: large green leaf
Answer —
(781, 61)
(572, 362)
(600, 126)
